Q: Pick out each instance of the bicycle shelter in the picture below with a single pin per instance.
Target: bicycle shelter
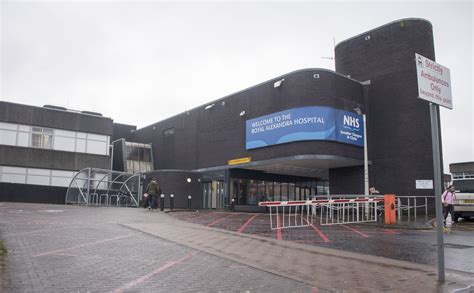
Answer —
(101, 187)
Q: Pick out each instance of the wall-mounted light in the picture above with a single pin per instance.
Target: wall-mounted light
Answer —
(223, 103)
(242, 113)
(316, 75)
(209, 106)
(188, 180)
(367, 38)
(278, 83)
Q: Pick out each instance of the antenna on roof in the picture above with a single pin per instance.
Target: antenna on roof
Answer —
(331, 57)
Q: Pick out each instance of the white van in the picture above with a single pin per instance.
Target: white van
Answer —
(464, 203)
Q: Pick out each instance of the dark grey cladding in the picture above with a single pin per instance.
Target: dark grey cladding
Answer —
(176, 182)
(203, 138)
(123, 131)
(399, 137)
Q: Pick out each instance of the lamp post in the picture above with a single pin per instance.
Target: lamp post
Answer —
(366, 156)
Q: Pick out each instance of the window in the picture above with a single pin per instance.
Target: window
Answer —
(169, 131)
(252, 189)
(261, 191)
(269, 191)
(55, 139)
(35, 176)
(291, 192)
(41, 137)
(138, 157)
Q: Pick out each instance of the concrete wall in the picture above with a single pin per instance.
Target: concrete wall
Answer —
(32, 193)
(461, 167)
(45, 117)
(47, 158)
(50, 159)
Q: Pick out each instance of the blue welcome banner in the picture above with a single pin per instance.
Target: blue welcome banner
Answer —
(306, 123)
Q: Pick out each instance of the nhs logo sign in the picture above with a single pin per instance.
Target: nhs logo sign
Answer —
(351, 121)
(350, 128)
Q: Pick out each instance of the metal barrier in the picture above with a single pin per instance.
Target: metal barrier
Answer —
(297, 215)
(407, 207)
(293, 214)
(349, 211)
(410, 206)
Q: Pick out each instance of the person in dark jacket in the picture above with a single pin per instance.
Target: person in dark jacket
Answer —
(153, 190)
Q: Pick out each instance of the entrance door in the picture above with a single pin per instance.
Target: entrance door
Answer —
(213, 195)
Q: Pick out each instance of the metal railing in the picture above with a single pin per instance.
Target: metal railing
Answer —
(290, 216)
(95, 187)
(413, 207)
(333, 213)
(293, 214)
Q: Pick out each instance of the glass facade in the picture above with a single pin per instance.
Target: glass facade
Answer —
(251, 192)
(54, 139)
(138, 157)
(35, 176)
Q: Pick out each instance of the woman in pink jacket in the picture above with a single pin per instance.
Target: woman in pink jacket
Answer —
(448, 197)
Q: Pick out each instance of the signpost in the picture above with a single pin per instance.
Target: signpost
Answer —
(434, 82)
(424, 184)
(434, 85)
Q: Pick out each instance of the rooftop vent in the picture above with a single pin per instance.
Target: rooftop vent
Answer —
(55, 107)
(91, 113)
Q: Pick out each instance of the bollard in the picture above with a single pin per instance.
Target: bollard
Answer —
(389, 202)
(189, 202)
(162, 202)
(171, 201)
(232, 203)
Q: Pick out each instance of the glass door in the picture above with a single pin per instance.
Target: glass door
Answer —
(206, 186)
(213, 195)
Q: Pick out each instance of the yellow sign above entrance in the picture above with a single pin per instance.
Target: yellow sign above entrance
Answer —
(240, 161)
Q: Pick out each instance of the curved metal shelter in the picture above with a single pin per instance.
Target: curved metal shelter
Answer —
(100, 187)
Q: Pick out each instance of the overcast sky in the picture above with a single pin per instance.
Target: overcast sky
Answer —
(140, 63)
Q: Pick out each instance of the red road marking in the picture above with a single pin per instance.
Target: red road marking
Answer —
(315, 290)
(319, 232)
(279, 228)
(218, 220)
(356, 231)
(82, 245)
(387, 231)
(244, 226)
(151, 274)
(308, 241)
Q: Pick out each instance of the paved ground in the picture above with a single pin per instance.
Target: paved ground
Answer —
(55, 248)
(412, 245)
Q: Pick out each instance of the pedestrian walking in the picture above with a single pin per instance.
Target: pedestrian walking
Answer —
(447, 198)
(153, 190)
